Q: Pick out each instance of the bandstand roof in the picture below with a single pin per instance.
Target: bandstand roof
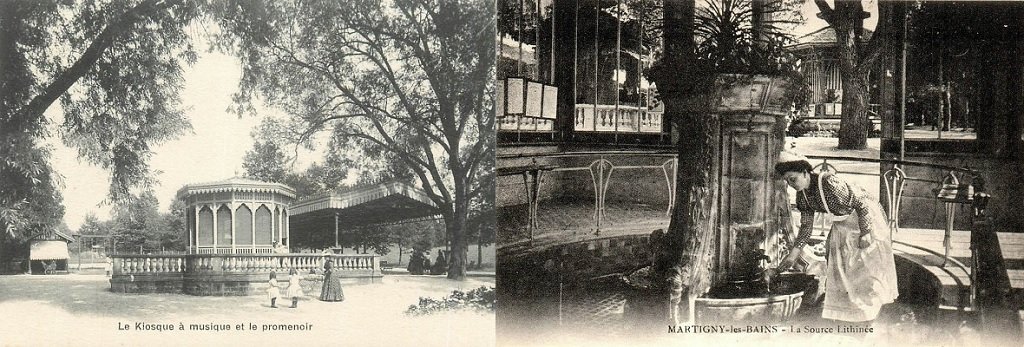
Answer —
(824, 37)
(236, 184)
(378, 204)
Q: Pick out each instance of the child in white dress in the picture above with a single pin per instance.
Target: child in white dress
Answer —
(273, 292)
(294, 288)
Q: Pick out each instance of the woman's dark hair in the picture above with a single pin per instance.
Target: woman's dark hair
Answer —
(794, 166)
(273, 275)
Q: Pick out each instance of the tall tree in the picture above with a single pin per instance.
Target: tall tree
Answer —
(700, 43)
(114, 65)
(856, 59)
(137, 223)
(409, 78)
(265, 162)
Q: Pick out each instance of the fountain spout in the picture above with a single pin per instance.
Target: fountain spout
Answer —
(761, 266)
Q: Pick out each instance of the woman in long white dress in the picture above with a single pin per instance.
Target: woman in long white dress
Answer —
(860, 273)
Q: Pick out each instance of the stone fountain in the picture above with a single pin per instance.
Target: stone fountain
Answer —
(607, 284)
(753, 213)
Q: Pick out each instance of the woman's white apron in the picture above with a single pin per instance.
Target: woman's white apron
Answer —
(858, 281)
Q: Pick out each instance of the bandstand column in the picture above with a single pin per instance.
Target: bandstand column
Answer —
(232, 207)
(214, 229)
(282, 221)
(194, 235)
(275, 218)
(252, 217)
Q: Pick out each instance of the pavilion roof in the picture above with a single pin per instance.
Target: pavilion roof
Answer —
(383, 203)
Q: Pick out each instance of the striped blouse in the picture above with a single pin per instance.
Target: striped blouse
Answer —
(842, 199)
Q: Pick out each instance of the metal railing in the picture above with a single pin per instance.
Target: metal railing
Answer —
(894, 183)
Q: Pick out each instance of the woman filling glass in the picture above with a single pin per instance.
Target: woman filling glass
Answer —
(860, 272)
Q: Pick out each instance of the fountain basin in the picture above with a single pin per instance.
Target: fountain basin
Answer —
(751, 302)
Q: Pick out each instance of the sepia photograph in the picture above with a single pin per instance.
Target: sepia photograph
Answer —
(759, 172)
(247, 173)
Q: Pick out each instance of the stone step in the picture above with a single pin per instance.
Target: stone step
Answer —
(954, 279)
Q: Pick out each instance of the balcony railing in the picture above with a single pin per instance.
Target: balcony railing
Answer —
(617, 119)
(267, 249)
(527, 124)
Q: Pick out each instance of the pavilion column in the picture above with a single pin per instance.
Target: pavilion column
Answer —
(336, 230)
(232, 207)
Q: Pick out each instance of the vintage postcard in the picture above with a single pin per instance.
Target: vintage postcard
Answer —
(245, 173)
(758, 173)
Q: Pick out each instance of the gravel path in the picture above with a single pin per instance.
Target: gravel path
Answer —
(78, 310)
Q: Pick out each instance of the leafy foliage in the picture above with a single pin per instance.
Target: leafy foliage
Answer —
(265, 162)
(138, 225)
(115, 66)
(480, 300)
(404, 85)
(730, 42)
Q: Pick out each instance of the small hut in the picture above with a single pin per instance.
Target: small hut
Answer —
(48, 253)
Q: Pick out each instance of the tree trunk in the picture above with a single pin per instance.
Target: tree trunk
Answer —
(947, 121)
(479, 254)
(399, 254)
(854, 125)
(684, 267)
(455, 225)
(855, 59)
(460, 250)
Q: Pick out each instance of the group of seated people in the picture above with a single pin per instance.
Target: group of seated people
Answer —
(419, 264)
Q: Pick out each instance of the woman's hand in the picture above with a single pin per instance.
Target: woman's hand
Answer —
(865, 241)
(769, 274)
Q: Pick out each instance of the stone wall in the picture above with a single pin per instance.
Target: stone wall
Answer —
(221, 285)
(571, 264)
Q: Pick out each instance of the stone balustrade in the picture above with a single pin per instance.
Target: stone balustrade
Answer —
(226, 274)
(621, 119)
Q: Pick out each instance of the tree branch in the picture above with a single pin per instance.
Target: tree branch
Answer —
(106, 38)
(880, 40)
(827, 13)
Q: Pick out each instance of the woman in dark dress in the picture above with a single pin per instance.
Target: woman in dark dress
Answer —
(331, 290)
